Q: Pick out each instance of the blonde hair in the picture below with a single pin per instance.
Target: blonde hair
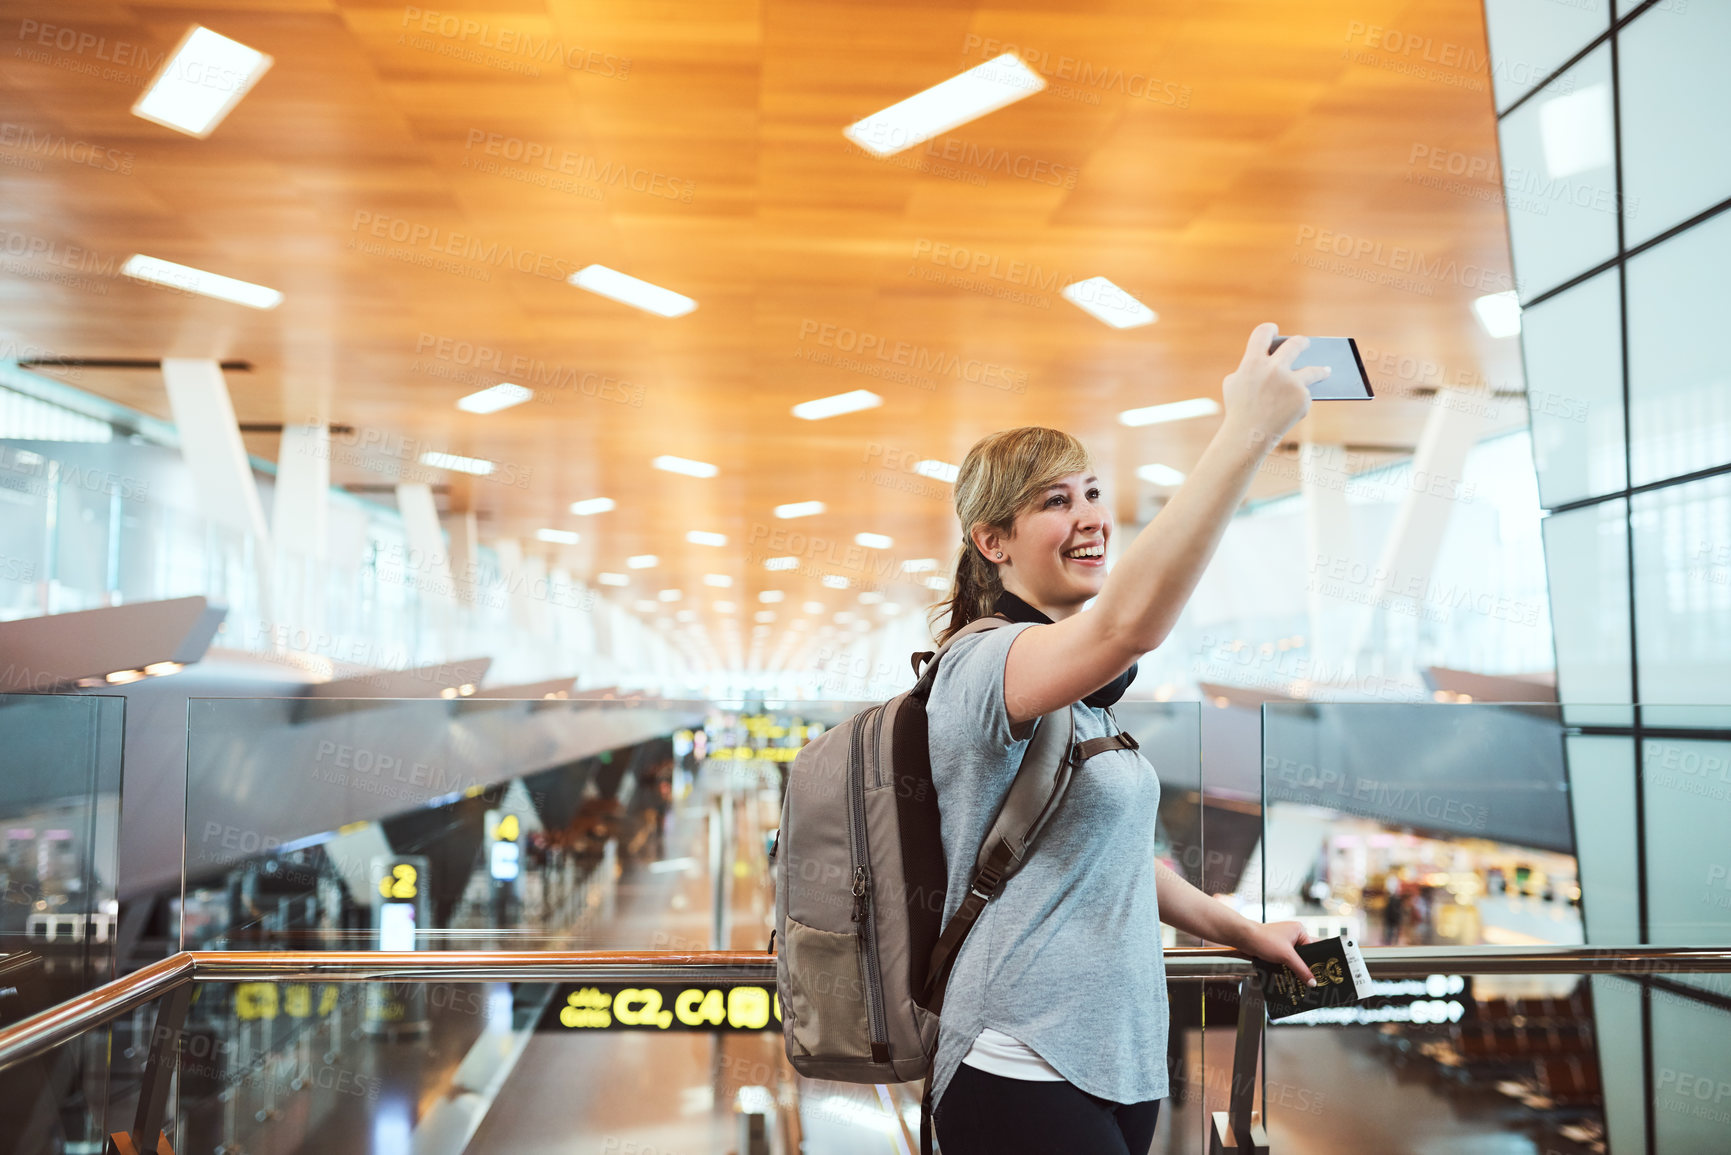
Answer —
(1000, 477)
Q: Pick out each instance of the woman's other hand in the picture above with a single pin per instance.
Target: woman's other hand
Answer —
(1265, 396)
(1273, 942)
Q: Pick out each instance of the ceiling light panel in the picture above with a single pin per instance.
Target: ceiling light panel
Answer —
(1500, 313)
(837, 405)
(188, 279)
(1104, 301)
(201, 82)
(642, 561)
(975, 93)
(557, 536)
(684, 465)
(480, 467)
(591, 506)
(501, 396)
(799, 509)
(612, 579)
(703, 537)
(1160, 474)
(938, 470)
(628, 290)
(1171, 411)
(873, 540)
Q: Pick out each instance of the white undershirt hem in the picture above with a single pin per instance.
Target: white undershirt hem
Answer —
(996, 1053)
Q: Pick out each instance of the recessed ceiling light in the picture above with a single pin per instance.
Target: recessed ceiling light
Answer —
(719, 580)
(871, 598)
(557, 536)
(725, 607)
(1103, 300)
(703, 537)
(646, 607)
(200, 82)
(612, 579)
(812, 607)
(920, 565)
(626, 289)
(475, 465)
(770, 597)
(1500, 313)
(592, 505)
(837, 405)
(685, 616)
(799, 509)
(844, 616)
(670, 595)
(781, 563)
(1171, 411)
(763, 616)
(642, 561)
(501, 396)
(160, 272)
(872, 540)
(942, 585)
(890, 608)
(1160, 474)
(976, 92)
(835, 581)
(938, 470)
(685, 465)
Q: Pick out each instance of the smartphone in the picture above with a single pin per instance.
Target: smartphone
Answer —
(1347, 380)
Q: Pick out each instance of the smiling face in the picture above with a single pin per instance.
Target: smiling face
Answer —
(1055, 558)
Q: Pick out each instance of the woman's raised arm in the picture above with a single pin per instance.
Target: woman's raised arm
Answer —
(1053, 665)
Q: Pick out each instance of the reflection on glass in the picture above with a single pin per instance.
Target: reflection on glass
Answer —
(1559, 177)
(1675, 93)
(1586, 555)
(1683, 593)
(1573, 347)
(1679, 384)
(1528, 42)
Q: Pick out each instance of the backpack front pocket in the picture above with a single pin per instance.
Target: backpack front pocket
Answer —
(826, 990)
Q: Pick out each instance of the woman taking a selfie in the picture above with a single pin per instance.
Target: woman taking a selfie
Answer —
(1053, 1035)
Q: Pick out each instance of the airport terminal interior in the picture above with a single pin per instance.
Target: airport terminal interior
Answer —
(453, 460)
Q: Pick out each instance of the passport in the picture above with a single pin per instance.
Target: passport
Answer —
(1341, 979)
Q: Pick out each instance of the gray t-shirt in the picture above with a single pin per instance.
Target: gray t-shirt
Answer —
(1067, 958)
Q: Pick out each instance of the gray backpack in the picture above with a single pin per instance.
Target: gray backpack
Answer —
(861, 880)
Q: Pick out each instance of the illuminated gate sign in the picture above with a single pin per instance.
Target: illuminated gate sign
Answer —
(662, 1007)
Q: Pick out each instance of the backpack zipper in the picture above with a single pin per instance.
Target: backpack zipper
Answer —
(862, 912)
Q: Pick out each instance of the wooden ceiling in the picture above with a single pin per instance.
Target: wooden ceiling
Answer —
(418, 182)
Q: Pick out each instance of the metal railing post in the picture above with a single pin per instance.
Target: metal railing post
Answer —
(147, 1134)
(1238, 1129)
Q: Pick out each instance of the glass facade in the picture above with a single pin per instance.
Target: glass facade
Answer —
(1616, 195)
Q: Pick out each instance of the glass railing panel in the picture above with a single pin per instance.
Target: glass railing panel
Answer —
(60, 784)
(1509, 824)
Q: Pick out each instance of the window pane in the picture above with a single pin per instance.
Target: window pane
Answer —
(1675, 94)
(1602, 796)
(1530, 41)
(1683, 593)
(1679, 383)
(1585, 555)
(1573, 346)
(1558, 151)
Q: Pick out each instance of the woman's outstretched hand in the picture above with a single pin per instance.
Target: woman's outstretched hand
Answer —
(1265, 396)
(1273, 942)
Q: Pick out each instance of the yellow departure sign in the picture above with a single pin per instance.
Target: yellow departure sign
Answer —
(664, 1007)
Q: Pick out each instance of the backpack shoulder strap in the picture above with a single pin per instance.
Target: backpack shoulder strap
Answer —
(1050, 762)
(929, 658)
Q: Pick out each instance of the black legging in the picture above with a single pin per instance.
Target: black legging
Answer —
(986, 1114)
